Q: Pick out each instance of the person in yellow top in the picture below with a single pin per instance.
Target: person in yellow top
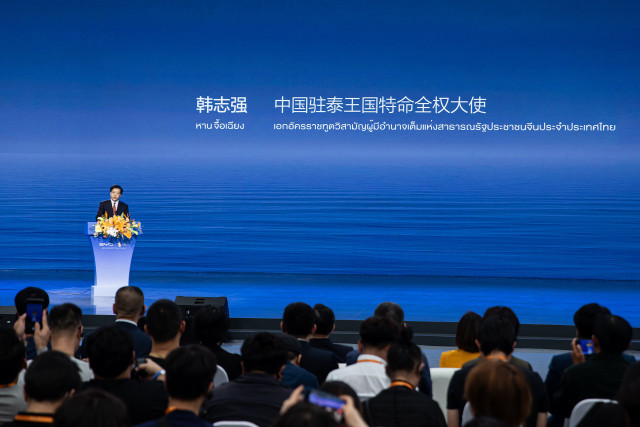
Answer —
(466, 333)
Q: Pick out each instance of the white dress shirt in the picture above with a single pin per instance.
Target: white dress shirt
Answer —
(367, 376)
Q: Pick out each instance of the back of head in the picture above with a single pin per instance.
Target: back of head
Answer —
(11, 355)
(263, 352)
(307, 415)
(65, 318)
(505, 312)
(129, 301)
(485, 422)
(613, 333)
(585, 317)
(190, 372)
(403, 357)
(629, 394)
(211, 325)
(467, 332)
(499, 390)
(93, 407)
(164, 319)
(110, 351)
(378, 332)
(292, 344)
(27, 293)
(298, 319)
(50, 377)
(325, 319)
(392, 310)
(496, 333)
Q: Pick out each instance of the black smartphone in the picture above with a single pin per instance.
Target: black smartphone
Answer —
(34, 314)
(328, 401)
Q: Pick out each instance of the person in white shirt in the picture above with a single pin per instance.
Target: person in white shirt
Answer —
(368, 376)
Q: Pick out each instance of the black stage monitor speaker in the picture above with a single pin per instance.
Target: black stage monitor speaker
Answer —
(191, 305)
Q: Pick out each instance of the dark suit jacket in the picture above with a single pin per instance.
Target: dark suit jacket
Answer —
(106, 207)
(403, 407)
(141, 341)
(318, 362)
(146, 400)
(326, 344)
(252, 397)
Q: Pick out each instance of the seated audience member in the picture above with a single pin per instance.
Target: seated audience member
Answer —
(368, 376)
(498, 390)
(211, 325)
(629, 395)
(65, 324)
(129, 307)
(298, 320)
(256, 395)
(583, 319)
(50, 379)
(325, 325)
(165, 327)
(401, 405)
(396, 313)
(293, 375)
(20, 301)
(601, 375)
(296, 412)
(496, 340)
(189, 380)
(93, 407)
(508, 314)
(111, 357)
(339, 388)
(466, 333)
(12, 362)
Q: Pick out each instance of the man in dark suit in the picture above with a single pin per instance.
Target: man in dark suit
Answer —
(256, 395)
(129, 307)
(113, 206)
(298, 320)
(325, 325)
(111, 357)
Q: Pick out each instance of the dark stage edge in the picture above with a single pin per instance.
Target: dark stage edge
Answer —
(429, 301)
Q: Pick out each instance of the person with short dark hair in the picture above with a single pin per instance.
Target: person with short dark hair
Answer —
(93, 407)
(189, 380)
(496, 341)
(65, 324)
(165, 326)
(599, 376)
(49, 380)
(113, 206)
(299, 321)
(401, 405)
(111, 357)
(583, 320)
(256, 395)
(466, 333)
(340, 388)
(293, 375)
(211, 325)
(499, 390)
(368, 376)
(325, 325)
(510, 315)
(12, 362)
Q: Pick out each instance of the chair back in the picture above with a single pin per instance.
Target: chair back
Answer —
(581, 409)
(440, 378)
(220, 377)
(234, 424)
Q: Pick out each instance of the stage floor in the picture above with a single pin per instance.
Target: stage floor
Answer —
(535, 301)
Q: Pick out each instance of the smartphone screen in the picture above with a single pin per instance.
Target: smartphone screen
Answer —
(586, 346)
(325, 400)
(34, 315)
